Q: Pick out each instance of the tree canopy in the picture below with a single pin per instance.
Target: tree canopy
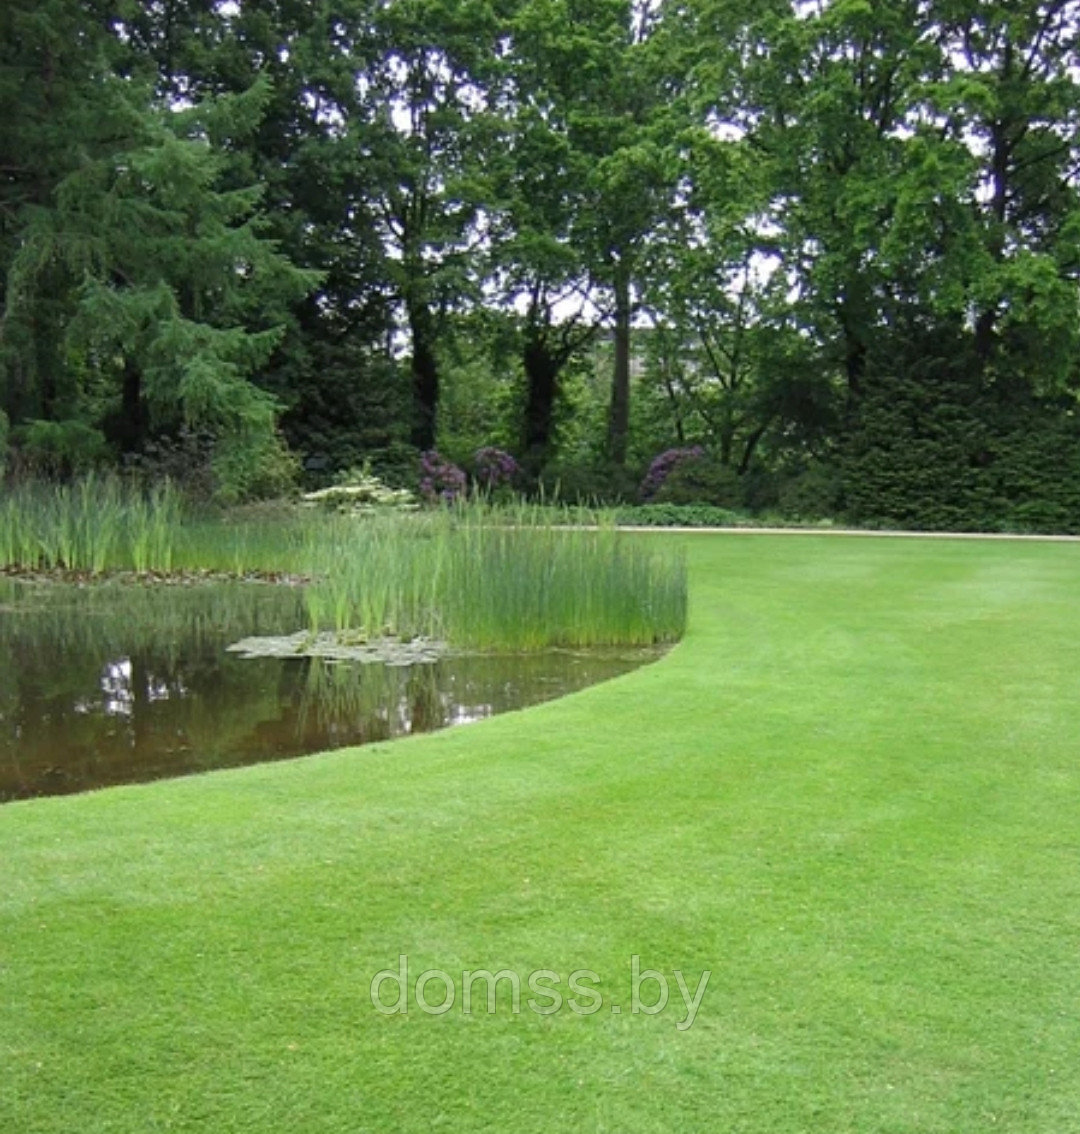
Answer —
(834, 244)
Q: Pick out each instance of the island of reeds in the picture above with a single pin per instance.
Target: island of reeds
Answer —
(468, 574)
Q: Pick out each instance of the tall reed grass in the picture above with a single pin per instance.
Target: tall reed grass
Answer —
(470, 577)
(475, 575)
(95, 525)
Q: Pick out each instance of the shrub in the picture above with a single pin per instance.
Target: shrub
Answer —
(663, 466)
(759, 489)
(394, 464)
(253, 466)
(811, 494)
(588, 483)
(678, 516)
(441, 481)
(701, 480)
(185, 459)
(946, 453)
(495, 468)
(359, 491)
(61, 448)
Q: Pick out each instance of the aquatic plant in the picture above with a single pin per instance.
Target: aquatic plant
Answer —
(92, 525)
(465, 577)
(473, 574)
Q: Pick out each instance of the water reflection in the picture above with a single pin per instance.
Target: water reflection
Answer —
(116, 684)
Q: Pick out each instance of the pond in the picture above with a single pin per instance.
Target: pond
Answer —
(123, 682)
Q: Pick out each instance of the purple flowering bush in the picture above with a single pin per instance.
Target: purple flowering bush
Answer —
(663, 465)
(441, 481)
(495, 468)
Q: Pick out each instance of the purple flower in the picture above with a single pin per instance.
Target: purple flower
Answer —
(663, 465)
(440, 479)
(494, 467)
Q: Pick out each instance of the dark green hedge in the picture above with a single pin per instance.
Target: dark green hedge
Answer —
(947, 456)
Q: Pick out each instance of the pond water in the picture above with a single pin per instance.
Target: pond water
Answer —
(120, 682)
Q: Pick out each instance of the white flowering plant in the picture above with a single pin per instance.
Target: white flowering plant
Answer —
(360, 491)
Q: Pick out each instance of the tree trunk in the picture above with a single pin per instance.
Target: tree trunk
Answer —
(542, 381)
(1000, 161)
(127, 429)
(851, 313)
(855, 364)
(751, 446)
(676, 410)
(425, 376)
(619, 418)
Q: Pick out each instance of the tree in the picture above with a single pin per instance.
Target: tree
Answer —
(334, 371)
(421, 132)
(1009, 99)
(626, 129)
(170, 295)
(537, 187)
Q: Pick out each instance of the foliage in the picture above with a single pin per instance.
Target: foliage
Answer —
(252, 465)
(359, 491)
(441, 481)
(461, 572)
(462, 575)
(942, 454)
(92, 525)
(663, 465)
(589, 481)
(583, 233)
(147, 245)
(812, 493)
(495, 468)
(59, 448)
(678, 516)
(701, 480)
(185, 458)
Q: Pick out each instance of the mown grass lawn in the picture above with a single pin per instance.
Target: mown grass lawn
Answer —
(852, 792)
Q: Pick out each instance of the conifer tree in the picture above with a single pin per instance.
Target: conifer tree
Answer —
(163, 292)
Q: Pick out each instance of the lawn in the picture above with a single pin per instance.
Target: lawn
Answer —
(852, 793)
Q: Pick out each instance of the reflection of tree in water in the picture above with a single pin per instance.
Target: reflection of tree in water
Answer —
(365, 702)
(428, 704)
(78, 722)
(113, 684)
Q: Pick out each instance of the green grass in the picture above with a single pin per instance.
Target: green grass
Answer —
(852, 791)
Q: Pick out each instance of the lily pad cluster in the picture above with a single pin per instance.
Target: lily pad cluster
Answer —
(341, 647)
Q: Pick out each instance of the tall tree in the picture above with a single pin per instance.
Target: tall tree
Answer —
(333, 371)
(1008, 98)
(627, 127)
(170, 294)
(422, 131)
(537, 178)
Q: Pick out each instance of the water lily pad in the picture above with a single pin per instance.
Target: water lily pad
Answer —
(338, 647)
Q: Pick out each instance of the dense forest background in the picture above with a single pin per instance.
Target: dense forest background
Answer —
(829, 251)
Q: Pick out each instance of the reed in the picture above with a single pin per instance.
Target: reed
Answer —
(477, 582)
(477, 575)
